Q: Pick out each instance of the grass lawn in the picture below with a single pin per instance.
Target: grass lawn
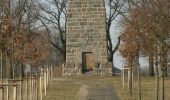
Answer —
(62, 90)
(67, 88)
(148, 87)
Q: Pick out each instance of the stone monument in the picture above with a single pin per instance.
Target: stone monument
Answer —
(86, 44)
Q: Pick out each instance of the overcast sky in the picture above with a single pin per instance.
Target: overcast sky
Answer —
(115, 32)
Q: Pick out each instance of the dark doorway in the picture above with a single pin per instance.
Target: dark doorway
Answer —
(87, 62)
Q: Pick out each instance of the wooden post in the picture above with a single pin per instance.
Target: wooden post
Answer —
(132, 75)
(123, 78)
(2, 93)
(7, 91)
(43, 78)
(40, 88)
(21, 94)
(51, 73)
(32, 78)
(14, 86)
(36, 88)
(30, 88)
(45, 82)
(14, 92)
(1, 66)
(26, 92)
(128, 78)
(33, 88)
(47, 75)
(26, 87)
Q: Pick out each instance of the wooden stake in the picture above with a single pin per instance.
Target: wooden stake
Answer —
(33, 88)
(43, 77)
(21, 97)
(36, 94)
(47, 71)
(2, 93)
(30, 88)
(45, 83)
(1, 67)
(123, 78)
(40, 87)
(51, 73)
(7, 90)
(128, 78)
(14, 92)
(32, 85)
(26, 90)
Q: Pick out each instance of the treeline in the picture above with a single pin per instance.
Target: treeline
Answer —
(22, 37)
(146, 32)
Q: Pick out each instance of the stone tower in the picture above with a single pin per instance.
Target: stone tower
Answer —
(86, 45)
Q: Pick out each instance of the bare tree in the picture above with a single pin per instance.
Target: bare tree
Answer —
(55, 16)
(154, 18)
(14, 18)
(114, 9)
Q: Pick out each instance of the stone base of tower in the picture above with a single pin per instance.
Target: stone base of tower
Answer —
(102, 69)
(71, 69)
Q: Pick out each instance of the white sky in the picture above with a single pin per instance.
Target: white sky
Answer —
(118, 60)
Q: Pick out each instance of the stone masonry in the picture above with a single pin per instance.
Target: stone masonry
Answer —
(86, 32)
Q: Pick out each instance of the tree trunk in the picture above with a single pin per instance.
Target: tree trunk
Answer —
(166, 72)
(135, 64)
(162, 85)
(151, 67)
(164, 61)
(163, 66)
(8, 68)
(113, 68)
(139, 81)
(130, 79)
(21, 71)
(157, 76)
(110, 52)
(1, 66)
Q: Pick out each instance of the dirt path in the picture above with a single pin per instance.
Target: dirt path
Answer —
(102, 92)
(83, 92)
(96, 91)
(80, 89)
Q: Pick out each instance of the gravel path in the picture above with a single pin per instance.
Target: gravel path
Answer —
(83, 92)
(101, 92)
(96, 91)
(88, 90)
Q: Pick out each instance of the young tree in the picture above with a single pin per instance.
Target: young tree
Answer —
(153, 25)
(14, 18)
(54, 15)
(114, 9)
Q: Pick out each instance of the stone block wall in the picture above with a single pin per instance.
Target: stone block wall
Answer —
(86, 32)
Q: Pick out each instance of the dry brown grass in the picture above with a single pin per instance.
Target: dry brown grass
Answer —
(62, 90)
(148, 87)
(67, 90)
